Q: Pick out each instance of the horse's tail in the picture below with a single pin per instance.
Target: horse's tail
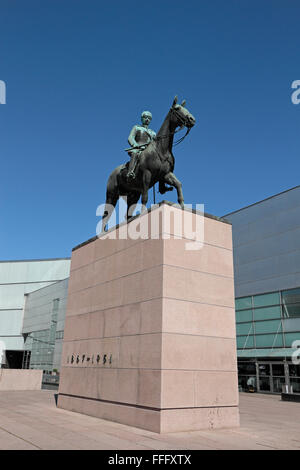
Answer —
(112, 196)
(112, 188)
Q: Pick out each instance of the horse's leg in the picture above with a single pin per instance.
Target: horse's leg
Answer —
(163, 188)
(132, 200)
(146, 184)
(171, 179)
(110, 204)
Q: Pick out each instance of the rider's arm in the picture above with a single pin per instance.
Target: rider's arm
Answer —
(131, 138)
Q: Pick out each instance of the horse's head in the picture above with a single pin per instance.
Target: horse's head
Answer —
(181, 116)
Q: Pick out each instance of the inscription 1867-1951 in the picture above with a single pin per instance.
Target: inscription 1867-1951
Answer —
(97, 359)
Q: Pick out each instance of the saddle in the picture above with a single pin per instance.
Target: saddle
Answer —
(124, 170)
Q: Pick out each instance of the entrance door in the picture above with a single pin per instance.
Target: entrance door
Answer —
(271, 376)
(264, 377)
(278, 377)
(14, 359)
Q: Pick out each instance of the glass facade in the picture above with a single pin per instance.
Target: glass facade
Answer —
(291, 303)
(260, 319)
(41, 344)
(41, 350)
(263, 325)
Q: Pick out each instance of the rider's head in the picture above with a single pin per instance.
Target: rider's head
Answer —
(146, 117)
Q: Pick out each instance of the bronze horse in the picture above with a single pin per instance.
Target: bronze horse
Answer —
(156, 164)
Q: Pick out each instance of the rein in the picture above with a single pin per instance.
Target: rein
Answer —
(182, 138)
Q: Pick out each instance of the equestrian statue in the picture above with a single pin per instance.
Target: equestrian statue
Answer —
(151, 161)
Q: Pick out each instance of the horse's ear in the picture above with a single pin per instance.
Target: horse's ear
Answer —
(175, 100)
(183, 103)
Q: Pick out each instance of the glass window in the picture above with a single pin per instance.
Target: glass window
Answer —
(245, 342)
(291, 296)
(242, 383)
(270, 326)
(55, 305)
(266, 299)
(295, 383)
(264, 384)
(244, 328)
(290, 338)
(247, 383)
(40, 348)
(294, 370)
(278, 382)
(269, 341)
(243, 316)
(267, 313)
(59, 335)
(278, 369)
(291, 310)
(245, 368)
(264, 369)
(242, 303)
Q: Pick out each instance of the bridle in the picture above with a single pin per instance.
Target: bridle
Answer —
(182, 123)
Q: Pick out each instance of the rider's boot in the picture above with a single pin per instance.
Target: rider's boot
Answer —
(132, 167)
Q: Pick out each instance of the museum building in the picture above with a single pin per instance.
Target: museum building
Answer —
(17, 280)
(266, 250)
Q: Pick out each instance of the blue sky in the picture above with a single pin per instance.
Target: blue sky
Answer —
(80, 72)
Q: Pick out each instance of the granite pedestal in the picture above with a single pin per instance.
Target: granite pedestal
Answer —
(150, 326)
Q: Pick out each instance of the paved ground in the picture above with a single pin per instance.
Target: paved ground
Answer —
(30, 420)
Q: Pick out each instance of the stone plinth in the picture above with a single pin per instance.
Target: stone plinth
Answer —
(150, 326)
(20, 379)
